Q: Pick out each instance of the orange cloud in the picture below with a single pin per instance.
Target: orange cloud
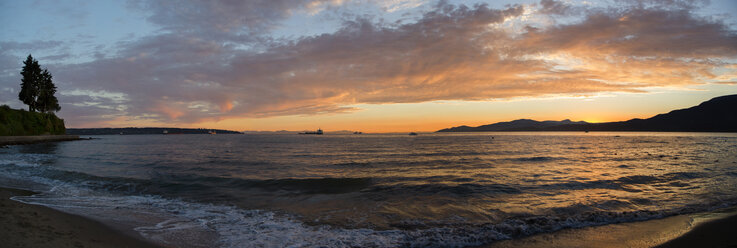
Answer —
(219, 68)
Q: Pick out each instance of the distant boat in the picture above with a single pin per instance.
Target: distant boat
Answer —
(211, 132)
(318, 132)
(165, 132)
(412, 133)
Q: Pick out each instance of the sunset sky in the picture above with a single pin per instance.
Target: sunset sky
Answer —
(369, 65)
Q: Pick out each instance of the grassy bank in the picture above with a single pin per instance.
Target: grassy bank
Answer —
(15, 122)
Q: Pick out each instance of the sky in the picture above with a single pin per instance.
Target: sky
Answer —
(368, 65)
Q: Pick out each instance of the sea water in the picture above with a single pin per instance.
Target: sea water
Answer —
(374, 190)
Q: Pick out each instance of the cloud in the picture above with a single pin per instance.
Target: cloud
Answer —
(396, 5)
(229, 19)
(554, 7)
(637, 46)
(638, 32)
(215, 59)
(6, 46)
(362, 62)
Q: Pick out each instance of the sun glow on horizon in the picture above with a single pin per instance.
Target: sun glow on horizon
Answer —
(433, 116)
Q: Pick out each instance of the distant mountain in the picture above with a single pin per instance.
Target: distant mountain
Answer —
(516, 125)
(716, 115)
(144, 130)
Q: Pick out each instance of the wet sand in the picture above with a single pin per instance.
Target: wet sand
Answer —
(24, 225)
(713, 229)
(720, 231)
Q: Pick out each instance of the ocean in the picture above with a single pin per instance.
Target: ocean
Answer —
(374, 190)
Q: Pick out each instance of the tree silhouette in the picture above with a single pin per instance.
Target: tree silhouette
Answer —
(46, 101)
(37, 88)
(29, 83)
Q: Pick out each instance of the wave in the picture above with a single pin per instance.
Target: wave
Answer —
(536, 159)
(170, 184)
(25, 160)
(188, 224)
(433, 163)
(458, 190)
(209, 188)
(624, 183)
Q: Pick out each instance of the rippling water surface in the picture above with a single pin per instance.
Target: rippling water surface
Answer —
(375, 190)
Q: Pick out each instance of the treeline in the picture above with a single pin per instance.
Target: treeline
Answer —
(15, 122)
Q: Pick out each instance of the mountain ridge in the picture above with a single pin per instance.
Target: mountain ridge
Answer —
(515, 125)
(718, 114)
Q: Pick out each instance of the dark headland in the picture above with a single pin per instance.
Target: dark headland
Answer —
(716, 115)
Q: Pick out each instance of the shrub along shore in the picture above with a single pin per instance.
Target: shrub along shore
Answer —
(14, 122)
(24, 127)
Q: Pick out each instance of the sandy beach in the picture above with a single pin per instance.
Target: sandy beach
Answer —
(717, 230)
(711, 229)
(24, 225)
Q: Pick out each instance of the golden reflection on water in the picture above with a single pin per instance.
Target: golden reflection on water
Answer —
(472, 179)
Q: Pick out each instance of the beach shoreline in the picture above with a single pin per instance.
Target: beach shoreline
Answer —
(713, 229)
(28, 225)
(703, 229)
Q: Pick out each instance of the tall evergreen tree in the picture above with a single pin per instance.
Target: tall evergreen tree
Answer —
(46, 101)
(37, 88)
(29, 87)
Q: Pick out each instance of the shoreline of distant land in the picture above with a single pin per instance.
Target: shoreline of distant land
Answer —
(32, 139)
(146, 130)
(715, 115)
(28, 225)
